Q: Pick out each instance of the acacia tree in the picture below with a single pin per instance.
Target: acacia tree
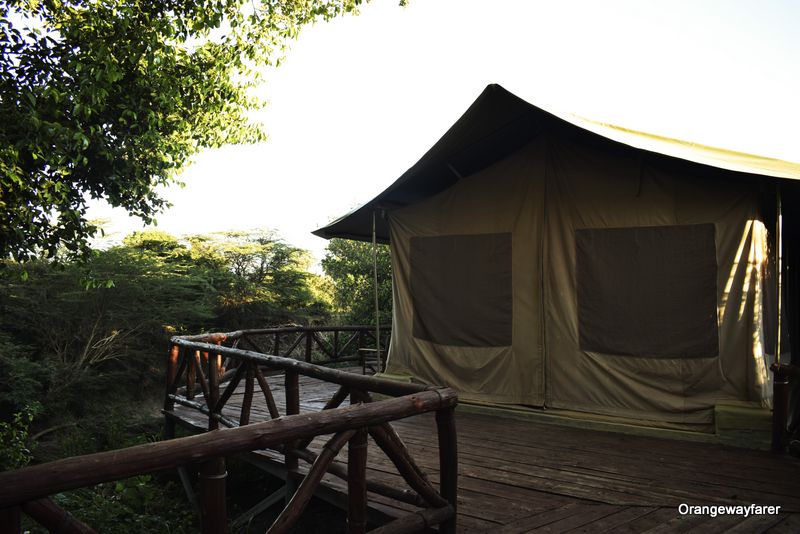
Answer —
(109, 98)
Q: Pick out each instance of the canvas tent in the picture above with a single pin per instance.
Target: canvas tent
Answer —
(556, 262)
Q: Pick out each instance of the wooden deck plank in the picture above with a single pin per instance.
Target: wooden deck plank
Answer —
(523, 476)
(611, 522)
(647, 521)
(711, 460)
(681, 524)
(672, 484)
(533, 521)
(790, 524)
(755, 523)
(586, 516)
(541, 436)
(718, 525)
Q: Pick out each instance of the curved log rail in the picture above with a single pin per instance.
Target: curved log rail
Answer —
(203, 374)
(203, 363)
(323, 345)
(30, 484)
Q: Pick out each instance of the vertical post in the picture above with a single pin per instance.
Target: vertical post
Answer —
(212, 473)
(213, 512)
(375, 280)
(292, 386)
(309, 340)
(361, 358)
(335, 344)
(780, 382)
(247, 400)
(448, 464)
(780, 406)
(169, 428)
(172, 371)
(214, 364)
(191, 376)
(222, 363)
(357, 477)
(778, 270)
(276, 350)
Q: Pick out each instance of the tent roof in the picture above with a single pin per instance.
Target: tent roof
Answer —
(497, 124)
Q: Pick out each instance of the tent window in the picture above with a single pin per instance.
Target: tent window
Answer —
(648, 291)
(461, 289)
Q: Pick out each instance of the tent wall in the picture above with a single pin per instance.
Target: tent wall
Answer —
(588, 187)
(542, 196)
(494, 201)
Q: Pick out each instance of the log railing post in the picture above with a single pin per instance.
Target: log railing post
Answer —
(448, 464)
(276, 349)
(214, 364)
(172, 372)
(247, 400)
(357, 477)
(309, 344)
(223, 364)
(292, 385)
(213, 512)
(335, 344)
(191, 376)
(361, 357)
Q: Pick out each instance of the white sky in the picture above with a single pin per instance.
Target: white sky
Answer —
(360, 99)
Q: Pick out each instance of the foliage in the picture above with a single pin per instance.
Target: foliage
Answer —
(138, 504)
(21, 380)
(89, 339)
(110, 98)
(71, 332)
(15, 449)
(349, 264)
(270, 278)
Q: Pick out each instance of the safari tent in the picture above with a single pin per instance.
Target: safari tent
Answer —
(554, 262)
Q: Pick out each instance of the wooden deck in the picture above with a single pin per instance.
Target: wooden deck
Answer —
(521, 476)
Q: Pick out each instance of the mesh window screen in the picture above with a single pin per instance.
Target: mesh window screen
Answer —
(461, 289)
(648, 291)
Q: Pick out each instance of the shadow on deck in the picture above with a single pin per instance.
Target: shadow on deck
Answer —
(522, 476)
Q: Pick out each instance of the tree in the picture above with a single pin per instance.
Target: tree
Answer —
(70, 331)
(110, 98)
(271, 283)
(349, 264)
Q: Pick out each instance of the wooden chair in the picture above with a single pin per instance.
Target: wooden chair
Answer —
(369, 359)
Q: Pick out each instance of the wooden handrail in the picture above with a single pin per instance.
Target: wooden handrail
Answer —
(38, 481)
(368, 383)
(215, 363)
(222, 336)
(242, 363)
(314, 344)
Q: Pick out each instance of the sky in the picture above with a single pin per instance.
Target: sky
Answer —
(360, 99)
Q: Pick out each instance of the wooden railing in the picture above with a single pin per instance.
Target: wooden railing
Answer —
(196, 371)
(322, 345)
(26, 487)
(204, 365)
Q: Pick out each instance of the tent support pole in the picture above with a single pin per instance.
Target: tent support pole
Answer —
(375, 281)
(780, 381)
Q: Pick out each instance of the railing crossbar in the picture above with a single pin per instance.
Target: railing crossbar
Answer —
(367, 383)
(61, 475)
